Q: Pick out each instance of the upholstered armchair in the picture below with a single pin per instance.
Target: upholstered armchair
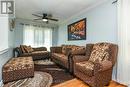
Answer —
(96, 69)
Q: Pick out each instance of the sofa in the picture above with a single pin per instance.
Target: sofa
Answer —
(62, 55)
(95, 68)
(36, 53)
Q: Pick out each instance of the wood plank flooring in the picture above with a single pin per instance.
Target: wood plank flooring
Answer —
(78, 83)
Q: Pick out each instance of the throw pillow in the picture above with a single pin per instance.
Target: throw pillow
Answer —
(79, 50)
(22, 48)
(100, 52)
(63, 49)
(26, 49)
(30, 49)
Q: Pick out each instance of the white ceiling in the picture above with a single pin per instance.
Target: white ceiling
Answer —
(61, 9)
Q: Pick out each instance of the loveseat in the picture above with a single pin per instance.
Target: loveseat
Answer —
(36, 53)
(62, 55)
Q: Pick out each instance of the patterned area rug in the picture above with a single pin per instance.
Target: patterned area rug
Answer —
(40, 79)
(58, 74)
(43, 62)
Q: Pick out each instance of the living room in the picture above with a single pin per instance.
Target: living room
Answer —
(64, 36)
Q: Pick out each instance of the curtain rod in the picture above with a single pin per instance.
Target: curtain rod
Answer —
(30, 24)
(114, 1)
(38, 25)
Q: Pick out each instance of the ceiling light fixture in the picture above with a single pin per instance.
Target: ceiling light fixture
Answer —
(44, 20)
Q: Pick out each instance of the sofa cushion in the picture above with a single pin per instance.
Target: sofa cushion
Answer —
(36, 53)
(63, 49)
(100, 52)
(72, 47)
(30, 49)
(22, 47)
(60, 57)
(89, 48)
(39, 52)
(26, 49)
(67, 48)
(86, 67)
(78, 50)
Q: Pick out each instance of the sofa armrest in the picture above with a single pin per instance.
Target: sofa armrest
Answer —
(17, 52)
(79, 58)
(73, 59)
(40, 49)
(104, 65)
(56, 49)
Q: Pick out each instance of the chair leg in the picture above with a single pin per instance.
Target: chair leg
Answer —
(107, 84)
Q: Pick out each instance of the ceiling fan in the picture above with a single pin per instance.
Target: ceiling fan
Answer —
(45, 17)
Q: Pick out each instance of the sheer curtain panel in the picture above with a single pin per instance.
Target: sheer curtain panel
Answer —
(37, 36)
(123, 67)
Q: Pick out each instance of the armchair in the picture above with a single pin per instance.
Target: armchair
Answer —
(96, 70)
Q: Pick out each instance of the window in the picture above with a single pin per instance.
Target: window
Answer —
(37, 36)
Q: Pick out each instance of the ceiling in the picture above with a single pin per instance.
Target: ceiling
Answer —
(61, 9)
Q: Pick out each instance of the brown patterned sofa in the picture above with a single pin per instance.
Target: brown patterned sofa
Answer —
(18, 68)
(36, 53)
(96, 68)
(61, 55)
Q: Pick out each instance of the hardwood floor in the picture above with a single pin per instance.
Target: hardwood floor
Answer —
(78, 83)
(64, 79)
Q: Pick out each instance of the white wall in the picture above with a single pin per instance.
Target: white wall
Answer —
(101, 25)
(18, 34)
(4, 57)
(4, 32)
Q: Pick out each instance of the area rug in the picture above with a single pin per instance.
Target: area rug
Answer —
(59, 75)
(43, 62)
(40, 79)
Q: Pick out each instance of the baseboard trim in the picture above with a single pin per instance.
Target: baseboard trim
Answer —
(3, 51)
(128, 85)
(1, 83)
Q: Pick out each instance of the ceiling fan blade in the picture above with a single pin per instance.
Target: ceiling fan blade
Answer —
(38, 19)
(36, 15)
(52, 19)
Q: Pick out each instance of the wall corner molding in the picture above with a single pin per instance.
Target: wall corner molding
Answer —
(1, 83)
(83, 11)
(4, 51)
